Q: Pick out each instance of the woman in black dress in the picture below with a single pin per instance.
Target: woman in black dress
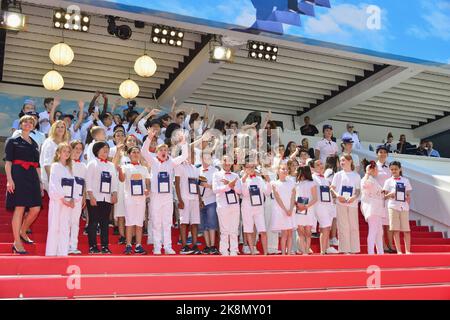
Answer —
(23, 186)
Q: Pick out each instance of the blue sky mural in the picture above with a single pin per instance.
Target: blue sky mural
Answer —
(413, 28)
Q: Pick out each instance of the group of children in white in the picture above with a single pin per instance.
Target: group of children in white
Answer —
(270, 202)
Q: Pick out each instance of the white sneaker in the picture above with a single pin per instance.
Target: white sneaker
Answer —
(74, 251)
(224, 253)
(331, 250)
(169, 251)
(334, 242)
(157, 251)
(246, 250)
(233, 253)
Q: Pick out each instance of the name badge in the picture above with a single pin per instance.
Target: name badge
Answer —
(79, 187)
(304, 201)
(400, 192)
(255, 196)
(325, 194)
(347, 192)
(67, 185)
(105, 182)
(231, 197)
(163, 182)
(193, 183)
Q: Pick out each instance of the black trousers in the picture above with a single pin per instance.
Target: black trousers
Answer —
(98, 215)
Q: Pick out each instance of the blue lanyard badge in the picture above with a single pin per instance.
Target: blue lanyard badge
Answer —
(67, 185)
(231, 197)
(400, 191)
(79, 188)
(304, 201)
(105, 182)
(193, 183)
(163, 182)
(325, 194)
(347, 192)
(255, 196)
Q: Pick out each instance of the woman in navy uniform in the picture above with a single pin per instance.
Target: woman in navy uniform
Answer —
(24, 189)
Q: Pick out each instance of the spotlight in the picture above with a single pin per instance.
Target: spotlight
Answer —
(123, 32)
(167, 35)
(262, 51)
(75, 22)
(12, 18)
(218, 52)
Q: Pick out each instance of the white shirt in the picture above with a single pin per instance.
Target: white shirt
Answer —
(384, 173)
(166, 166)
(208, 195)
(56, 189)
(36, 135)
(303, 189)
(95, 168)
(135, 172)
(219, 188)
(284, 190)
(372, 199)
(322, 181)
(186, 171)
(79, 170)
(264, 187)
(44, 126)
(390, 186)
(347, 179)
(46, 157)
(326, 148)
(354, 137)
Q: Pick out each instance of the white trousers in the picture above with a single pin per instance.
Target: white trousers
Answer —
(161, 211)
(58, 229)
(272, 237)
(229, 229)
(348, 229)
(75, 225)
(375, 236)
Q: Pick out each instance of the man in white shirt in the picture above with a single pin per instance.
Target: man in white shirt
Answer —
(326, 147)
(352, 134)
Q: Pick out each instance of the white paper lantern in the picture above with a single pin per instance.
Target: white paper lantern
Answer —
(53, 81)
(129, 89)
(145, 66)
(61, 54)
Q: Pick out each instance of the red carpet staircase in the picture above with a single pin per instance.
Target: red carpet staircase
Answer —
(423, 275)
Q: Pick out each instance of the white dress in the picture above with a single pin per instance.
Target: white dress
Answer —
(372, 202)
(280, 220)
(303, 190)
(46, 157)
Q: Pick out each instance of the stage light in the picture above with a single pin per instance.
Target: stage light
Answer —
(123, 32)
(262, 51)
(218, 52)
(76, 22)
(167, 35)
(12, 18)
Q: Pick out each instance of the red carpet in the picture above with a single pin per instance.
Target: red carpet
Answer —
(423, 275)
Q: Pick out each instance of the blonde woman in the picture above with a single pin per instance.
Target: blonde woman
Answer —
(58, 134)
(23, 182)
(62, 197)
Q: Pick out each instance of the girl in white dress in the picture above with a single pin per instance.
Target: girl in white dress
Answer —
(283, 218)
(306, 198)
(62, 202)
(372, 207)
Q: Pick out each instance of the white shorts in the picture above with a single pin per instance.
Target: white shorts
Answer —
(324, 215)
(191, 212)
(250, 220)
(135, 211)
